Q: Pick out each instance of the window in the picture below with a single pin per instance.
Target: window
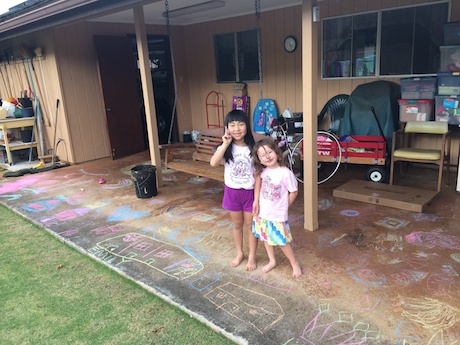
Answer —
(237, 57)
(392, 42)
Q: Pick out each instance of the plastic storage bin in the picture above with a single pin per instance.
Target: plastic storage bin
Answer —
(418, 88)
(416, 110)
(448, 110)
(449, 83)
(452, 33)
(450, 59)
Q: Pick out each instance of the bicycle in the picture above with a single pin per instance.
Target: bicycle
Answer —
(293, 152)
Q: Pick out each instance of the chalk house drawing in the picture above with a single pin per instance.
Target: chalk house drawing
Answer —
(250, 307)
(161, 256)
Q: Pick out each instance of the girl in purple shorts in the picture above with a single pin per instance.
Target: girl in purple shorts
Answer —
(235, 151)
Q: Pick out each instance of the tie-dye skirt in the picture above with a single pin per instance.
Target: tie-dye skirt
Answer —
(274, 233)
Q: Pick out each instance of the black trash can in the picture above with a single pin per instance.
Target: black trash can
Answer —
(145, 181)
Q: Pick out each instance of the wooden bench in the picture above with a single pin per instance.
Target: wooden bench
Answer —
(208, 140)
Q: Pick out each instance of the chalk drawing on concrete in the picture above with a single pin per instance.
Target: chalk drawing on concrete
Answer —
(324, 204)
(455, 256)
(392, 223)
(367, 303)
(120, 184)
(205, 281)
(329, 327)
(169, 178)
(124, 213)
(66, 215)
(349, 213)
(425, 217)
(407, 333)
(110, 229)
(198, 180)
(10, 197)
(44, 205)
(135, 248)
(252, 308)
(84, 172)
(268, 279)
(433, 315)
(432, 239)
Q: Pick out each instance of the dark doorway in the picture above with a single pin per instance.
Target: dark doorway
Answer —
(163, 86)
(121, 99)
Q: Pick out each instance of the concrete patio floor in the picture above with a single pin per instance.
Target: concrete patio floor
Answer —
(371, 274)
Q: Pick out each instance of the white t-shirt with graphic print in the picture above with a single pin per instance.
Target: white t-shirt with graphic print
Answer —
(277, 183)
(239, 173)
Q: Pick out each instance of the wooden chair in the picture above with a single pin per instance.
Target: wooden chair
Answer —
(404, 150)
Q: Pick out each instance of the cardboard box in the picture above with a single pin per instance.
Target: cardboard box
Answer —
(240, 90)
(241, 103)
(415, 110)
(404, 198)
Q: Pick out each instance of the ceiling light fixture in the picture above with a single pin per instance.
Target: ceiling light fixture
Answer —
(204, 6)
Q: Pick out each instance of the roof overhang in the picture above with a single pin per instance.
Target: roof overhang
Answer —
(50, 13)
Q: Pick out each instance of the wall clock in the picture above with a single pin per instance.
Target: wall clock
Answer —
(290, 44)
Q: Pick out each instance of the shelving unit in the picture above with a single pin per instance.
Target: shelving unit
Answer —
(6, 124)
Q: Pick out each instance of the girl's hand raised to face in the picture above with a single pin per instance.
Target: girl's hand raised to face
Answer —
(227, 138)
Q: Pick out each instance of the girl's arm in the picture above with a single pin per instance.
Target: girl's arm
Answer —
(292, 197)
(217, 157)
(255, 204)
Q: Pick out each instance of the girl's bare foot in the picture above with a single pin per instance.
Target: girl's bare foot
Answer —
(237, 260)
(252, 263)
(296, 270)
(269, 266)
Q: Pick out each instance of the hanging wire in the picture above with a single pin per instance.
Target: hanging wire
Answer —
(259, 50)
(176, 93)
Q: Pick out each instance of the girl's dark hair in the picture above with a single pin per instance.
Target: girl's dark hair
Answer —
(240, 116)
(258, 166)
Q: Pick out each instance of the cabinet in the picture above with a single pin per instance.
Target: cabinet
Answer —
(18, 145)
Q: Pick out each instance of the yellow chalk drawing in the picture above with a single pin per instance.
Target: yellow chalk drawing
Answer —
(431, 314)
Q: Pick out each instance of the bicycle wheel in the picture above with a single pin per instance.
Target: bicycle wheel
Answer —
(328, 169)
(293, 160)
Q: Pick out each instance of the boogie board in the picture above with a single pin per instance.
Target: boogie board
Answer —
(265, 112)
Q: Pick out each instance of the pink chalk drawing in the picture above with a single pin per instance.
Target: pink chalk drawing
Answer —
(67, 215)
(440, 283)
(433, 239)
(44, 205)
(110, 229)
(367, 303)
(12, 187)
(328, 327)
(138, 249)
(252, 308)
(69, 233)
(270, 281)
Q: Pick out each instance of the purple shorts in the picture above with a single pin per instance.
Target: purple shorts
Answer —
(238, 199)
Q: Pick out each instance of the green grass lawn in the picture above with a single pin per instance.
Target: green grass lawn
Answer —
(52, 294)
